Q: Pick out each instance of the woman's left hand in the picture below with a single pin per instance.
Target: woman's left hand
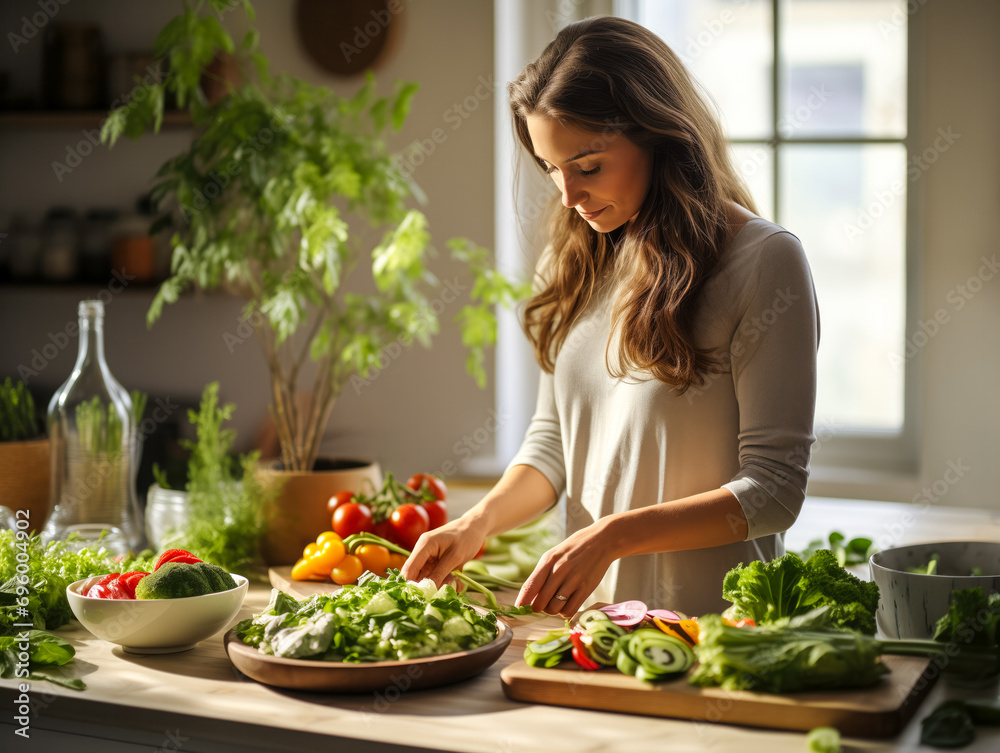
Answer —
(572, 569)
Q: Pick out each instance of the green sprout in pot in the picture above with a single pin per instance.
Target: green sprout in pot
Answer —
(271, 201)
(18, 420)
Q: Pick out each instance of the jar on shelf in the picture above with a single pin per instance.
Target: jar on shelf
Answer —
(95, 245)
(94, 449)
(60, 245)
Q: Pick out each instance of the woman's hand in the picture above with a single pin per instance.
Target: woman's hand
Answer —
(444, 549)
(572, 569)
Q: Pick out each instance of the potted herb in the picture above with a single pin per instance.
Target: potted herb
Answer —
(24, 458)
(262, 201)
(217, 516)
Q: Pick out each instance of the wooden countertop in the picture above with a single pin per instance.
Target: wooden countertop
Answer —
(196, 700)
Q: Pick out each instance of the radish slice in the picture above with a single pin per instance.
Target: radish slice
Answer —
(626, 613)
(664, 614)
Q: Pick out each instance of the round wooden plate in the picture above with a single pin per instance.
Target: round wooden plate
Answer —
(338, 677)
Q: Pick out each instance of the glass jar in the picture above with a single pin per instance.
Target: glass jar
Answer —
(94, 449)
(166, 514)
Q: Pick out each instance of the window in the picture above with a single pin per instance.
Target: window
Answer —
(814, 96)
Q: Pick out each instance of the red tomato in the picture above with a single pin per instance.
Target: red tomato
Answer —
(338, 499)
(129, 581)
(436, 486)
(409, 521)
(352, 518)
(437, 513)
(386, 531)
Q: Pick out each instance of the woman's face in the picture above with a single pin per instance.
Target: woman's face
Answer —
(596, 172)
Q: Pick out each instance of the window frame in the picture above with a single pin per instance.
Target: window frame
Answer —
(856, 462)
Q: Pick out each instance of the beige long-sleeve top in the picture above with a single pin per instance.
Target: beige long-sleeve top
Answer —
(620, 444)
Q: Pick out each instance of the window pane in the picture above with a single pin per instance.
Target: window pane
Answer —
(726, 44)
(756, 163)
(843, 68)
(847, 204)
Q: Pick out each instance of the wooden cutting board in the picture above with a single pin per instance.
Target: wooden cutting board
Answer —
(879, 711)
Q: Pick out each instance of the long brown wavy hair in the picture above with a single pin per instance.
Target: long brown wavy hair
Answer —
(607, 74)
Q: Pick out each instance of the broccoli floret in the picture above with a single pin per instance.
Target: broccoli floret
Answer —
(177, 580)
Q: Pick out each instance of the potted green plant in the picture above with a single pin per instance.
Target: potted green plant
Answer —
(24, 459)
(261, 203)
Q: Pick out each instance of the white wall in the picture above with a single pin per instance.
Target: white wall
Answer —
(414, 413)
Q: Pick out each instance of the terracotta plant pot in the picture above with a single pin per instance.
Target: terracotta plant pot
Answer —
(298, 514)
(24, 480)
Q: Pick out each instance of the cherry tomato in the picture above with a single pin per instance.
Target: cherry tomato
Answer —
(352, 518)
(396, 561)
(328, 557)
(437, 513)
(409, 521)
(374, 557)
(436, 486)
(338, 499)
(386, 531)
(347, 571)
(310, 551)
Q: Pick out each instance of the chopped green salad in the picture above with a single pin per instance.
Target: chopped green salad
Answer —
(379, 619)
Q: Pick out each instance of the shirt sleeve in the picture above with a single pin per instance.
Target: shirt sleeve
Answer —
(542, 447)
(773, 358)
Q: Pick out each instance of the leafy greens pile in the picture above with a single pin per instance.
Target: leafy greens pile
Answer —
(788, 587)
(51, 567)
(801, 653)
(379, 619)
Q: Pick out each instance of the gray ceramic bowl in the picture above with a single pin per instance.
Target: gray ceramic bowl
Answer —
(910, 604)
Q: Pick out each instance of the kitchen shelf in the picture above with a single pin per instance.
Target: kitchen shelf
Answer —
(77, 118)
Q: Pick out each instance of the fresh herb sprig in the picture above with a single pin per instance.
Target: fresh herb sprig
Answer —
(226, 498)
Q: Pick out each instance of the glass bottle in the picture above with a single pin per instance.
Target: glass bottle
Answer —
(93, 448)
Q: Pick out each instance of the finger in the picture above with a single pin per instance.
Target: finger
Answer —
(441, 570)
(556, 605)
(573, 604)
(531, 587)
(416, 563)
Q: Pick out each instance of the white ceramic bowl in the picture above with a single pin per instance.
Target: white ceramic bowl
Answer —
(155, 626)
(910, 604)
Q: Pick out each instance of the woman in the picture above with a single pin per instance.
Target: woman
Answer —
(676, 333)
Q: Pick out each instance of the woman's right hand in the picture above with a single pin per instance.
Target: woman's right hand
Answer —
(444, 549)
